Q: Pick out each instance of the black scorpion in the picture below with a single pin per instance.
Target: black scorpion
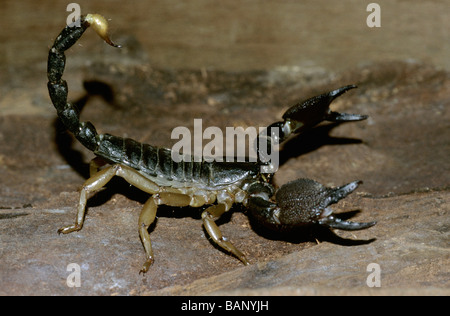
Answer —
(194, 183)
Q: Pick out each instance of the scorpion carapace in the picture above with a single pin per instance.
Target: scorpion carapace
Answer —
(196, 183)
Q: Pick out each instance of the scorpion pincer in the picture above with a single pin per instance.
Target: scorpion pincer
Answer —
(217, 185)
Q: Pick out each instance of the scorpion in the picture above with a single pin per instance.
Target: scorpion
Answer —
(216, 185)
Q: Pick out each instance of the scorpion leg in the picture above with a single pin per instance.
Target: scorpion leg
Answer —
(146, 218)
(148, 215)
(311, 112)
(209, 216)
(99, 180)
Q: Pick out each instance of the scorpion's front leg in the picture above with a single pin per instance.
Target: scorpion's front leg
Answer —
(209, 216)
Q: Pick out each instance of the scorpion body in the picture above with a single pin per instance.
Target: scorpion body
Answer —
(196, 183)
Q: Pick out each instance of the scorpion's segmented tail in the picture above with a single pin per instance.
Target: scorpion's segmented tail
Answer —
(84, 131)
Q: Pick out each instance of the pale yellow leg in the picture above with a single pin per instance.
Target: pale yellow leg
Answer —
(146, 218)
(209, 216)
(100, 179)
(148, 215)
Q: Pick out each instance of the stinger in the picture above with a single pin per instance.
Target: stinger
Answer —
(100, 25)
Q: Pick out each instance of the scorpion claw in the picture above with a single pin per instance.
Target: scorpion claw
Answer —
(334, 222)
(303, 202)
(344, 117)
(309, 113)
(305, 115)
(339, 193)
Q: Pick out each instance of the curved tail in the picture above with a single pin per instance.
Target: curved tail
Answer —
(84, 131)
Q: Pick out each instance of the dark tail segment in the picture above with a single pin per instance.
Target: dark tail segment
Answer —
(57, 87)
(84, 131)
(150, 159)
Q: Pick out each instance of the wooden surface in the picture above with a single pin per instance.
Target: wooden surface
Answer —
(240, 63)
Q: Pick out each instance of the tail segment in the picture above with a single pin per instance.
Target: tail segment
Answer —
(84, 131)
